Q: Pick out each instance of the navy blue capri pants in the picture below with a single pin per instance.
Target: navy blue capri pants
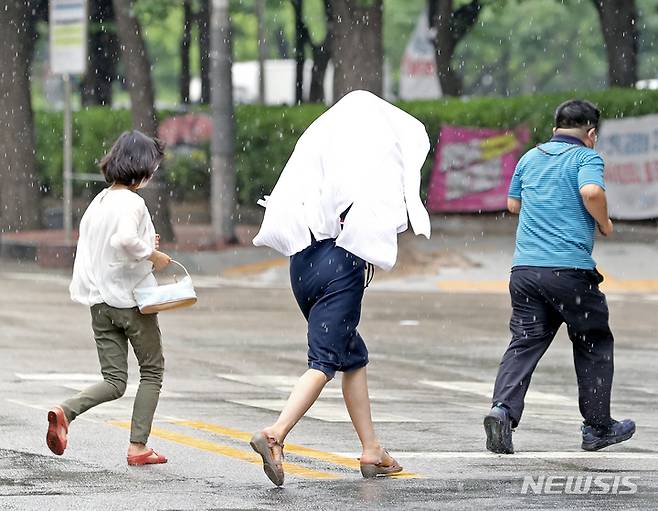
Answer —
(328, 283)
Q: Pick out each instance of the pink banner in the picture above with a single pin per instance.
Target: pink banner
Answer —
(473, 168)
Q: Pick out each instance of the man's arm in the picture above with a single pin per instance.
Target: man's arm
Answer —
(513, 205)
(596, 203)
(515, 189)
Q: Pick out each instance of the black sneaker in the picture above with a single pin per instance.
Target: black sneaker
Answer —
(498, 427)
(595, 438)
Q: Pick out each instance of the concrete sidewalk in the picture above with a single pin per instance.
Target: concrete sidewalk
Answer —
(466, 253)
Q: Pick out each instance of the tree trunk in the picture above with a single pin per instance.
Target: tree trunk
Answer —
(19, 184)
(620, 34)
(504, 65)
(321, 58)
(357, 46)
(451, 82)
(103, 54)
(137, 69)
(223, 200)
(321, 53)
(262, 51)
(450, 28)
(282, 48)
(300, 43)
(186, 40)
(203, 22)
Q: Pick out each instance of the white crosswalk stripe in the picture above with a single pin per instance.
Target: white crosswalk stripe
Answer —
(328, 408)
(486, 389)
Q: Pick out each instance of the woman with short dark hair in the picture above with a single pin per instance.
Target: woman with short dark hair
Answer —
(117, 253)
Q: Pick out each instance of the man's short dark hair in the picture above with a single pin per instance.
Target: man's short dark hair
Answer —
(132, 159)
(577, 113)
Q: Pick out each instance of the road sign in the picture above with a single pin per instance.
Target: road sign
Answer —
(68, 56)
(68, 36)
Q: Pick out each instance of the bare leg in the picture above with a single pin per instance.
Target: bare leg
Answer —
(305, 393)
(355, 393)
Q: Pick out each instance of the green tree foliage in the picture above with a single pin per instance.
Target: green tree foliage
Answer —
(534, 45)
(526, 46)
(517, 46)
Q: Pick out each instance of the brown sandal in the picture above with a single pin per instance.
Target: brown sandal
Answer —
(263, 444)
(381, 468)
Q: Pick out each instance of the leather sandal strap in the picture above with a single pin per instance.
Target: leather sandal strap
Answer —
(272, 442)
(380, 463)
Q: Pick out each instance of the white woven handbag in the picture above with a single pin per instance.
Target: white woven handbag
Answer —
(168, 296)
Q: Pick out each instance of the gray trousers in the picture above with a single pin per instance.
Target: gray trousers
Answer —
(542, 300)
(113, 329)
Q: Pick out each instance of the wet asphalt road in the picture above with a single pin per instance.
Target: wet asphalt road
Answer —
(230, 363)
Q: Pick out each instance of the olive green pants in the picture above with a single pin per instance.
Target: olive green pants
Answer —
(113, 328)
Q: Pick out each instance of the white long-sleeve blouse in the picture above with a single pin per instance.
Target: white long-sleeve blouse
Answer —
(116, 239)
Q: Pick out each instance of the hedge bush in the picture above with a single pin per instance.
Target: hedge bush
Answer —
(266, 135)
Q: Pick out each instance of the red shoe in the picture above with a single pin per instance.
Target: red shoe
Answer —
(58, 428)
(145, 458)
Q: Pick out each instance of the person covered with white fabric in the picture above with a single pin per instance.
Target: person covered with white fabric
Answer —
(364, 153)
(350, 187)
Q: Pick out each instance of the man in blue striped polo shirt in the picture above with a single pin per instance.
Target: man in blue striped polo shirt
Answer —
(559, 191)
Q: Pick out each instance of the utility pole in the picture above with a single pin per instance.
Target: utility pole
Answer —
(262, 50)
(222, 196)
(68, 56)
(68, 161)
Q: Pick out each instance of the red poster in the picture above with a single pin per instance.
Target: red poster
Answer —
(473, 168)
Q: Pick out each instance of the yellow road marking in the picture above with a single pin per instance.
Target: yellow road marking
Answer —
(613, 285)
(631, 286)
(610, 285)
(255, 267)
(230, 452)
(482, 286)
(300, 450)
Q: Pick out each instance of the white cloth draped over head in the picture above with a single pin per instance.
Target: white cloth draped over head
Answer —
(365, 153)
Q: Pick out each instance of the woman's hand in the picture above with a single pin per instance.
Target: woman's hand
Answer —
(160, 260)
